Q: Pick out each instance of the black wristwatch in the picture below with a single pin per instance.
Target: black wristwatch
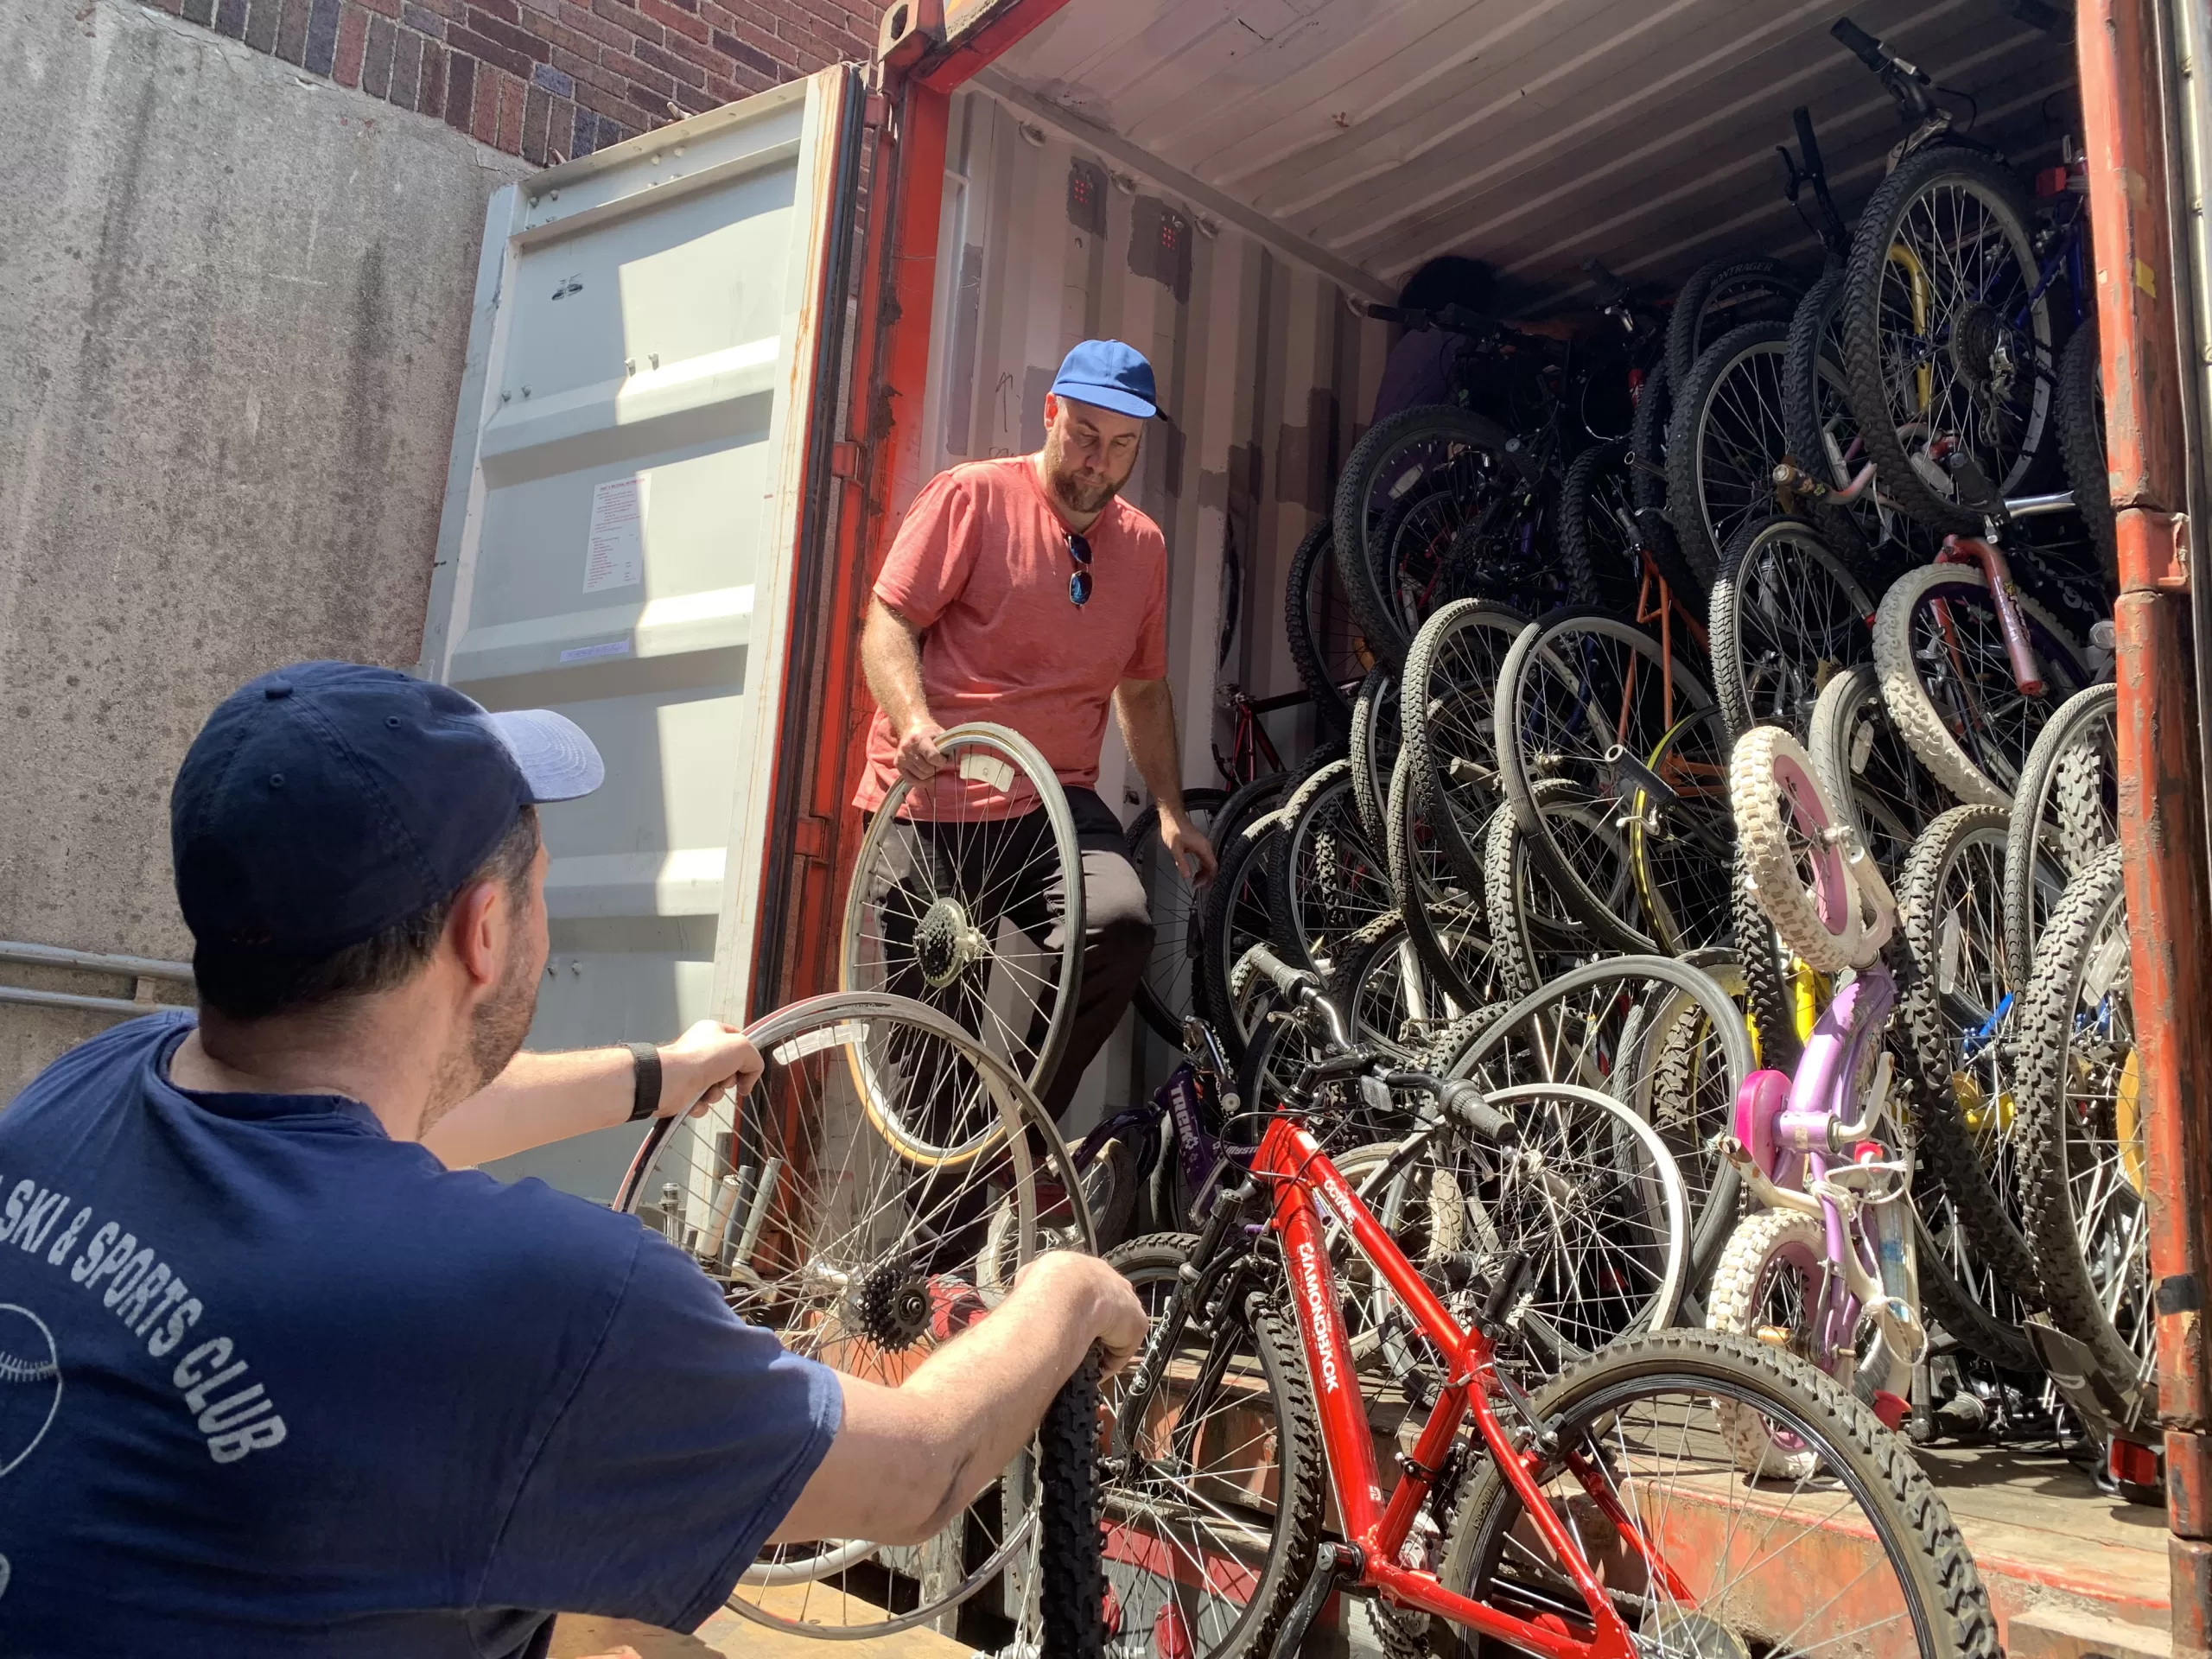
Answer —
(645, 1060)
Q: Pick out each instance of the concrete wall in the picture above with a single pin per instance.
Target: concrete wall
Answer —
(236, 303)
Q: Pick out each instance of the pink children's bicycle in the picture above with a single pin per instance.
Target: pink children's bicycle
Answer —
(1827, 1269)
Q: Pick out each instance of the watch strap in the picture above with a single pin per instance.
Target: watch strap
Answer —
(645, 1060)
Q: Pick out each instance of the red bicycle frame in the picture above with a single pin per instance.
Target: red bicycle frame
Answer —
(1302, 1179)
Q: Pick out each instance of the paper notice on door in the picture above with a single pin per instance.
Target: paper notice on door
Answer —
(614, 555)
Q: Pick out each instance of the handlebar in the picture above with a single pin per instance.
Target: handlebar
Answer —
(1467, 1103)
(1869, 49)
(1464, 1101)
(1293, 982)
(1459, 1099)
(1905, 82)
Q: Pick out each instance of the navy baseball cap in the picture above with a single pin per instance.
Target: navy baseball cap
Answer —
(324, 802)
(1110, 375)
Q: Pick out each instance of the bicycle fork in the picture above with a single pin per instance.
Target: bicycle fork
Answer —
(1972, 550)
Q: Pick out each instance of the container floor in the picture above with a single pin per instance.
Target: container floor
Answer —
(2071, 1572)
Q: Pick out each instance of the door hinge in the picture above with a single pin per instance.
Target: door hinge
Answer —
(876, 112)
(844, 459)
(810, 838)
(2175, 579)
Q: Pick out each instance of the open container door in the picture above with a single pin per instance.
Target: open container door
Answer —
(634, 514)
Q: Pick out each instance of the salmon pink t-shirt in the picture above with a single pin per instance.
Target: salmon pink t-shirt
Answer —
(981, 565)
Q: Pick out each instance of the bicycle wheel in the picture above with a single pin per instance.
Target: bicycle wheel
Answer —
(1591, 1199)
(1769, 976)
(1947, 341)
(1664, 1037)
(1373, 748)
(1165, 995)
(1787, 617)
(1767, 1288)
(2065, 809)
(1064, 1612)
(1727, 437)
(1681, 836)
(1237, 912)
(1799, 872)
(1214, 1489)
(1961, 1293)
(2083, 1174)
(1586, 697)
(1639, 1429)
(1948, 680)
(1534, 936)
(2082, 443)
(1326, 648)
(1388, 994)
(1675, 1076)
(1723, 295)
(1448, 724)
(1597, 534)
(1329, 879)
(1959, 1011)
(1647, 445)
(949, 904)
(1410, 487)
(1869, 772)
(1443, 916)
(816, 1224)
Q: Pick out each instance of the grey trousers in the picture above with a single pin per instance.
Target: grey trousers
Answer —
(1117, 925)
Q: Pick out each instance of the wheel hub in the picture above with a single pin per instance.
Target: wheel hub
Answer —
(889, 1305)
(945, 942)
(1676, 1633)
(1977, 350)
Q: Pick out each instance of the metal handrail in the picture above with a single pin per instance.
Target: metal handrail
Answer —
(54, 955)
(95, 962)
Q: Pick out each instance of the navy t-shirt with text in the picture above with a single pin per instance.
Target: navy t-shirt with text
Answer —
(272, 1382)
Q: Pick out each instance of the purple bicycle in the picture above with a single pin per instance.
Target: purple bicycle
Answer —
(1827, 1269)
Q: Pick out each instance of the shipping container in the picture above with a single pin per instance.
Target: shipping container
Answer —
(1224, 186)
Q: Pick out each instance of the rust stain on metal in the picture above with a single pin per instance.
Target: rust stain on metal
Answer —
(2162, 827)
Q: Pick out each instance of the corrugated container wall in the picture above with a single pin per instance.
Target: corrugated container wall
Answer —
(1267, 372)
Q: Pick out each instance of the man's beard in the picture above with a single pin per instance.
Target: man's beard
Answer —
(493, 1038)
(1079, 491)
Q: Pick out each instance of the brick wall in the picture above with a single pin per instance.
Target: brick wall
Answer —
(550, 79)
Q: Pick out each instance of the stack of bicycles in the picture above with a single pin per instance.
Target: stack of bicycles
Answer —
(1540, 660)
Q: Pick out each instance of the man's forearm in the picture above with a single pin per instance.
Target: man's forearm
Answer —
(909, 1459)
(539, 1098)
(891, 656)
(1147, 711)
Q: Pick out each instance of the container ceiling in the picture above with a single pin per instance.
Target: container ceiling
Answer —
(1530, 133)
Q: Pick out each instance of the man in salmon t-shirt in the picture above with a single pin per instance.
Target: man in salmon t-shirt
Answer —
(1023, 591)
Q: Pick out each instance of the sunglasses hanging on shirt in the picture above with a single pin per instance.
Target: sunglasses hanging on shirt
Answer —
(1079, 583)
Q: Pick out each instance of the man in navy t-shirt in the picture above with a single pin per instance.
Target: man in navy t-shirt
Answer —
(276, 1377)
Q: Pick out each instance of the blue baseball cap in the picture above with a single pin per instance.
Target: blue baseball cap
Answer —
(1110, 375)
(324, 802)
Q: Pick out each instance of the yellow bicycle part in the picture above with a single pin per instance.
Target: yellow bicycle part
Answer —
(1923, 377)
(2127, 1120)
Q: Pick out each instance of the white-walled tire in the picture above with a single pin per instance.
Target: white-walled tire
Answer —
(1769, 1268)
(2012, 718)
(1771, 785)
